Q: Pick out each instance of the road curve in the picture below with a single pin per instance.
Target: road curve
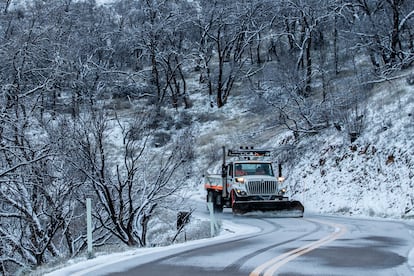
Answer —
(313, 245)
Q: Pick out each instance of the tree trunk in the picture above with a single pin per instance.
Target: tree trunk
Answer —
(395, 36)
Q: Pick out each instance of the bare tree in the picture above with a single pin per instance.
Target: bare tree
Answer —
(36, 195)
(128, 195)
(386, 38)
(224, 40)
(7, 5)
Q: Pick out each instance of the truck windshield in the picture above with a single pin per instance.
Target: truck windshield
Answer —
(253, 169)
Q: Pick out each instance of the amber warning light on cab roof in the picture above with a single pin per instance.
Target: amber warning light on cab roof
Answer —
(248, 152)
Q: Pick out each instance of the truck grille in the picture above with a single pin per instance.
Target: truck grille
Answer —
(262, 187)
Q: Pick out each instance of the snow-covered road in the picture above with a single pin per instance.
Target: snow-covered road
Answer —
(314, 245)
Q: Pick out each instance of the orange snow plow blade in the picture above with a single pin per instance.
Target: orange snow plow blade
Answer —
(286, 208)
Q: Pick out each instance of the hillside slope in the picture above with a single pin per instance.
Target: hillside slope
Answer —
(373, 176)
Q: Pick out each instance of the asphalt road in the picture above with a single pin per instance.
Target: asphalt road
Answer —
(313, 245)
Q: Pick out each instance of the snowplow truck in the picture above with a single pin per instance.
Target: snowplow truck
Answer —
(250, 185)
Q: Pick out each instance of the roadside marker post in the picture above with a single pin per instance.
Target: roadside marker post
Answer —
(89, 226)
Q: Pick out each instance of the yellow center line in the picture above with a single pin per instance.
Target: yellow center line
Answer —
(271, 266)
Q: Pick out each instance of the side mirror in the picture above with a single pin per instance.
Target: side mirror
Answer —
(224, 171)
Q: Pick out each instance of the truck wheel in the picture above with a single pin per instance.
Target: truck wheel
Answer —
(218, 203)
(218, 208)
(233, 198)
(211, 198)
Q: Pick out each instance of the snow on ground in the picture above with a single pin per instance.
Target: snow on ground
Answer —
(84, 266)
(371, 177)
(374, 175)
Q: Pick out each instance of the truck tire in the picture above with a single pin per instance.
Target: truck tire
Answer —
(233, 198)
(211, 197)
(218, 208)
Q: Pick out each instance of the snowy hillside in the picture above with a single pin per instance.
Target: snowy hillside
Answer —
(372, 176)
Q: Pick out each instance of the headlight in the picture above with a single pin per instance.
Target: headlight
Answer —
(280, 179)
(282, 191)
(240, 179)
(240, 192)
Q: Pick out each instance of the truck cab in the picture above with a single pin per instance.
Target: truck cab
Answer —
(251, 181)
